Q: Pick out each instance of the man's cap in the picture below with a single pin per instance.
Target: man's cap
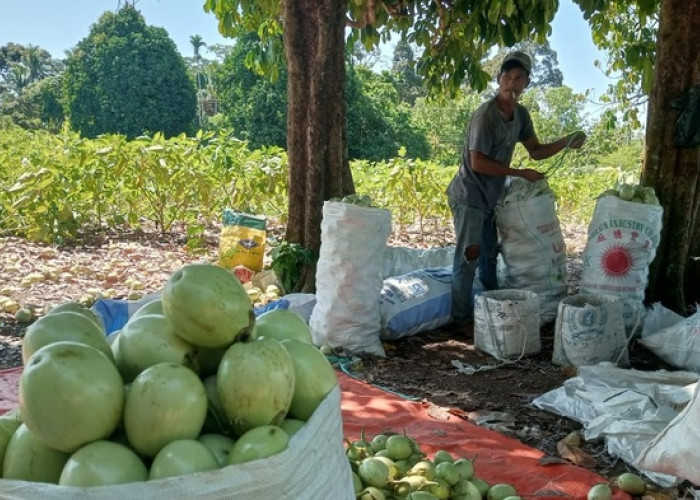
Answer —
(517, 58)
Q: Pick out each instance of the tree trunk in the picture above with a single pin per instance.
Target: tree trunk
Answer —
(314, 33)
(673, 171)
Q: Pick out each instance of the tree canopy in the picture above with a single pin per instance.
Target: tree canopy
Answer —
(126, 77)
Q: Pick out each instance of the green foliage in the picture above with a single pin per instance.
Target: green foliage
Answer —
(408, 84)
(378, 124)
(627, 31)
(128, 78)
(414, 190)
(288, 259)
(254, 106)
(38, 107)
(51, 186)
(21, 66)
(453, 40)
(446, 123)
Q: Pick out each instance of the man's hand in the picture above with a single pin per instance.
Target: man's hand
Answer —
(577, 139)
(531, 175)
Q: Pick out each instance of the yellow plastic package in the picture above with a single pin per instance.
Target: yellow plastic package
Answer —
(242, 240)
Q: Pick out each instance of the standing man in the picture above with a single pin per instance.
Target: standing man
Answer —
(493, 130)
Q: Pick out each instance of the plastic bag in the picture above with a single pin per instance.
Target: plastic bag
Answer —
(242, 241)
(416, 302)
(678, 344)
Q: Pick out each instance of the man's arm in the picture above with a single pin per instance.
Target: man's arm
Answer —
(482, 164)
(539, 151)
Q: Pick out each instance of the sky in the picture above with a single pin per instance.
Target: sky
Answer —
(58, 25)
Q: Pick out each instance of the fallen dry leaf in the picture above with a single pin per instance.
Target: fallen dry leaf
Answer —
(576, 455)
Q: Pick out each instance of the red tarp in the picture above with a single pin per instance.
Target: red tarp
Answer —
(499, 459)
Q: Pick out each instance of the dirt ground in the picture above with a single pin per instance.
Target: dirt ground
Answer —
(418, 367)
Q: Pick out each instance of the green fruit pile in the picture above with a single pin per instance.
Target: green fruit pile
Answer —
(393, 466)
(356, 199)
(191, 383)
(633, 192)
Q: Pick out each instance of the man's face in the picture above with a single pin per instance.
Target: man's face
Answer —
(512, 83)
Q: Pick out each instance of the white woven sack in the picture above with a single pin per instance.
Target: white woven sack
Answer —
(590, 329)
(675, 449)
(314, 466)
(403, 260)
(622, 240)
(349, 277)
(678, 344)
(533, 250)
(507, 323)
(416, 302)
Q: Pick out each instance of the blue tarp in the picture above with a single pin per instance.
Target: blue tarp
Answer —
(115, 313)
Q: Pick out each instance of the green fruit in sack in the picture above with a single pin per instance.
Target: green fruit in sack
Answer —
(153, 307)
(166, 402)
(219, 445)
(257, 443)
(292, 425)
(282, 324)
(626, 192)
(147, 340)
(64, 326)
(28, 458)
(70, 394)
(314, 378)
(180, 457)
(103, 463)
(80, 309)
(207, 305)
(9, 423)
(255, 382)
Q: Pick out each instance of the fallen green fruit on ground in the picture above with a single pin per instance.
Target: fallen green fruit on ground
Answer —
(23, 315)
(631, 483)
(600, 492)
(500, 491)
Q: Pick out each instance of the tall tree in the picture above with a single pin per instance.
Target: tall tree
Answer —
(126, 77)
(254, 106)
(197, 44)
(672, 165)
(20, 66)
(409, 84)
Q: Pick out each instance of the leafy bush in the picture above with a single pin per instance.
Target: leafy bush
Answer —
(128, 78)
